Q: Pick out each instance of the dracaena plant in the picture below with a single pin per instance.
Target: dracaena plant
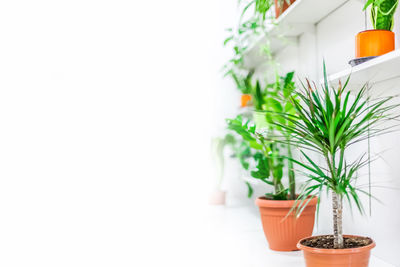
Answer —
(328, 122)
(268, 156)
(382, 12)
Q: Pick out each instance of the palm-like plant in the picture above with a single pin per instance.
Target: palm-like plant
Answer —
(328, 122)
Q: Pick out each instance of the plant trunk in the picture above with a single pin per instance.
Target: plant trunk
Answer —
(292, 181)
(337, 221)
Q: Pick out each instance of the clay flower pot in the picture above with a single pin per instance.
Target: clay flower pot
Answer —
(348, 257)
(283, 233)
(244, 100)
(373, 43)
(280, 9)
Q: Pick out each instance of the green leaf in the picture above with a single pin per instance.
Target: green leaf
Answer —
(249, 190)
(227, 40)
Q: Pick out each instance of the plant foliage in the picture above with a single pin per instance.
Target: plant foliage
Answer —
(382, 12)
(269, 163)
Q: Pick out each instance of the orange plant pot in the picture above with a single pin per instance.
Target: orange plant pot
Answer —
(374, 43)
(279, 10)
(349, 257)
(283, 233)
(244, 100)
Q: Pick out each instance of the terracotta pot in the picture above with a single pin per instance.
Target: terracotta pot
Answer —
(349, 257)
(244, 100)
(280, 9)
(374, 43)
(283, 233)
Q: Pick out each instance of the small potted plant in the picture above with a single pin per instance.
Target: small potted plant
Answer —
(380, 40)
(328, 122)
(282, 226)
(243, 83)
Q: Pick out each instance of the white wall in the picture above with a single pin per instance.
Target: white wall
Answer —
(105, 124)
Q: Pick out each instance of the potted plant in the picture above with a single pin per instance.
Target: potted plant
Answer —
(282, 227)
(243, 83)
(328, 123)
(380, 40)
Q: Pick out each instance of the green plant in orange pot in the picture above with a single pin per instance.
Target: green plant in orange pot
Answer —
(328, 122)
(381, 39)
(244, 84)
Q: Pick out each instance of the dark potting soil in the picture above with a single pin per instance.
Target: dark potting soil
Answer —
(326, 241)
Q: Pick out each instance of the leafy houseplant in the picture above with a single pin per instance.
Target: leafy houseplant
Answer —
(382, 12)
(281, 226)
(243, 83)
(241, 36)
(381, 40)
(272, 99)
(269, 164)
(328, 123)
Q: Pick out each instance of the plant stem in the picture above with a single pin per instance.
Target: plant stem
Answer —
(292, 181)
(337, 221)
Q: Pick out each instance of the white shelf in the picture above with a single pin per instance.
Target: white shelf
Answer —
(299, 18)
(302, 15)
(374, 71)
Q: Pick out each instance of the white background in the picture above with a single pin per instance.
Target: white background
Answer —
(105, 121)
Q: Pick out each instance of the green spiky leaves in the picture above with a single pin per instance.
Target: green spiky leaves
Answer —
(327, 121)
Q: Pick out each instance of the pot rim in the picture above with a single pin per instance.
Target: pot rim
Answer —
(373, 30)
(267, 203)
(331, 251)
